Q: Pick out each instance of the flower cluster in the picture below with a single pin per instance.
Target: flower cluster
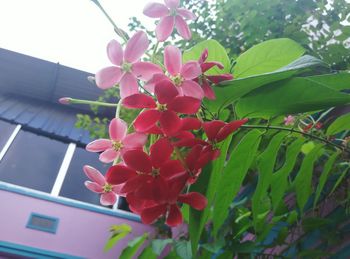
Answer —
(154, 166)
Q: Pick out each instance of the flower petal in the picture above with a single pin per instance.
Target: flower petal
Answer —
(208, 65)
(187, 14)
(216, 79)
(117, 129)
(146, 120)
(172, 3)
(149, 215)
(160, 151)
(138, 160)
(135, 183)
(155, 80)
(115, 52)
(94, 175)
(145, 70)
(169, 122)
(139, 101)
(119, 174)
(172, 60)
(99, 145)
(208, 91)
(165, 91)
(134, 140)
(108, 77)
(203, 56)
(108, 198)
(109, 155)
(182, 27)
(165, 27)
(194, 199)
(174, 217)
(190, 123)
(171, 168)
(185, 105)
(136, 47)
(211, 128)
(94, 187)
(229, 128)
(193, 89)
(191, 70)
(128, 85)
(155, 10)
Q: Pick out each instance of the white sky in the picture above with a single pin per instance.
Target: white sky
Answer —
(74, 33)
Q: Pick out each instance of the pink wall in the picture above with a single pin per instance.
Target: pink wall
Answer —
(80, 232)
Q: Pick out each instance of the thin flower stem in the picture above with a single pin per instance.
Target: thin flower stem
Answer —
(122, 34)
(180, 157)
(80, 101)
(117, 111)
(154, 52)
(292, 130)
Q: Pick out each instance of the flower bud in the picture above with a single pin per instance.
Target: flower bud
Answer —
(65, 100)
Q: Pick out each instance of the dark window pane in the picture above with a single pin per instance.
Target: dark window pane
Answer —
(32, 161)
(6, 130)
(73, 185)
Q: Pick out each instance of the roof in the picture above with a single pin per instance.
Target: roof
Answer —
(29, 93)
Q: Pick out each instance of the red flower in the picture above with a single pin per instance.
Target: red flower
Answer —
(217, 130)
(206, 80)
(164, 111)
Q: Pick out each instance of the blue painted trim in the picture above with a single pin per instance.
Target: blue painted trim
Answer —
(68, 202)
(32, 252)
(52, 229)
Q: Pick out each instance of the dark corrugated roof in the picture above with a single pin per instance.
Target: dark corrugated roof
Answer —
(29, 93)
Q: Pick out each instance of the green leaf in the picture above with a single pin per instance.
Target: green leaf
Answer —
(340, 124)
(279, 181)
(310, 224)
(206, 184)
(307, 147)
(288, 97)
(338, 81)
(302, 181)
(183, 249)
(147, 253)
(339, 180)
(233, 175)
(267, 57)
(133, 247)
(216, 52)
(230, 91)
(324, 176)
(158, 245)
(118, 232)
(266, 164)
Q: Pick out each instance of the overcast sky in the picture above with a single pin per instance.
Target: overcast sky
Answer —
(72, 32)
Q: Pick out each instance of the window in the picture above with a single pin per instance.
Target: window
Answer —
(32, 161)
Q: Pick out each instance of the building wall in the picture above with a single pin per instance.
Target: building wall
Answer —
(80, 232)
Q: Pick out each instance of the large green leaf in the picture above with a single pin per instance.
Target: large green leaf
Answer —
(230, 91)
(233, 175)
(340, 124)
(118, 232)
(133, 247)
(279, 180)
(324, 176)
(266, 164)
(206, 184)
(216, 52)
(337, 81)
(289, 96)
(302, 182)
(148, 253)
(267, 57)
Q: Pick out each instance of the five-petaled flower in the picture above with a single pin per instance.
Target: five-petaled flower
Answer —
(171, 16)
(127, 65)
(119, 143)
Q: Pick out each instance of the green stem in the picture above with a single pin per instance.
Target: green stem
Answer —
(154, 52)
(292, 130)
(80, 101)
(180, 157)
(122, 34)
(117, 111)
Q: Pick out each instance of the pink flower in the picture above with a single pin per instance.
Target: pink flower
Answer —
(181, 75)
(289, 120)
(127, 67)
(171, 16)
(100, 185)
(119, 143)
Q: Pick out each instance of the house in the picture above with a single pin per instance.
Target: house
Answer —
(46, 211)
